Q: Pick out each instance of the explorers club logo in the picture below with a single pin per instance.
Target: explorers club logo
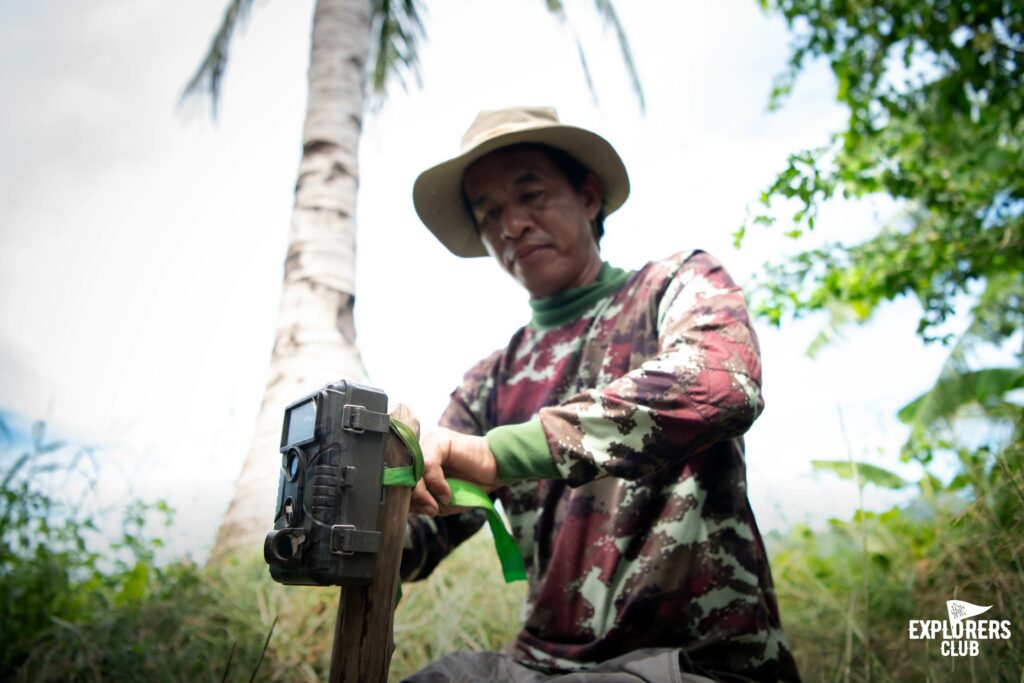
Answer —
(961, 634)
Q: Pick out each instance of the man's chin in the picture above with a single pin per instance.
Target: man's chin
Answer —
(540, 284)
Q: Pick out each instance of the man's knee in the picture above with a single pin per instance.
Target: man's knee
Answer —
(466, 667)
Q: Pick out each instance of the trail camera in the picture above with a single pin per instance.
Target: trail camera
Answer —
(330, 493)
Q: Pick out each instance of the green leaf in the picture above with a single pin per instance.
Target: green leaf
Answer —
(867, 473)
(957, 390)
(135, 583)
(738, 235)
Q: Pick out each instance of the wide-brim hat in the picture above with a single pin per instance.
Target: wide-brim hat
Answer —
(437, 193)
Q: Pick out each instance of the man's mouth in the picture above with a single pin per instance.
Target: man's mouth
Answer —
(526, 253)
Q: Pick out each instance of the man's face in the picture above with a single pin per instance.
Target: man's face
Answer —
(532, 220)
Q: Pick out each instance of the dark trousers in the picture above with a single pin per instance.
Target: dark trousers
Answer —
(640, 666)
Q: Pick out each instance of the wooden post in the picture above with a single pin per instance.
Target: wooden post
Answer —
(363, 632)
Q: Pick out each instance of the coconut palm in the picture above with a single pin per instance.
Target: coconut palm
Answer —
(355, 43)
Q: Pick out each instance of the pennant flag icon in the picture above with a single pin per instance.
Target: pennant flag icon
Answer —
(959, 610)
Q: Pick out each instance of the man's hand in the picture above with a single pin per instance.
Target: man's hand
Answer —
(451, 454)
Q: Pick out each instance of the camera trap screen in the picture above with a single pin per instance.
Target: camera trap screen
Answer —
(301, 423)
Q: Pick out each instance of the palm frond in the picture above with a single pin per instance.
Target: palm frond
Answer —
(5, 432)
(586, 70)
(397, 32)
(208, 77)
(557, 8)
(840, 316)
(961, 384)
(952, 392)
(611, 18)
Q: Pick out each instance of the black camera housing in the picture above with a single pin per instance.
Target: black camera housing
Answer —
(330, 493)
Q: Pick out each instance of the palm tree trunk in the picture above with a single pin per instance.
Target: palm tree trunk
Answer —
(315, 338)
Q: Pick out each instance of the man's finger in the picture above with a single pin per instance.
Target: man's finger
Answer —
(446, 510)
(434, 479)
(422, 503)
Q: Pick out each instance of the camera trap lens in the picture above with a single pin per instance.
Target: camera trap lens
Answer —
(284, 549)
(291, 464)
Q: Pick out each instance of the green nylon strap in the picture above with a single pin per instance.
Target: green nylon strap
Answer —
(405, 476)
(464, 494)
(467, 495)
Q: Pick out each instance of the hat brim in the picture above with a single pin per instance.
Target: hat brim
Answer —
(437, 192)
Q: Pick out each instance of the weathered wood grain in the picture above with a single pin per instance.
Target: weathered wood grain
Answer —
(363, 633)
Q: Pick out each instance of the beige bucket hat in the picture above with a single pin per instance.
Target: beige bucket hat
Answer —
(437, 193)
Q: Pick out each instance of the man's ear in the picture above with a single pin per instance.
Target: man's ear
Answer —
(592, 191)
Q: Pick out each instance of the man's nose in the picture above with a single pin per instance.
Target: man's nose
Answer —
(515, 222)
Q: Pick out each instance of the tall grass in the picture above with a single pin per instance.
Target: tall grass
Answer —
(464, 605)
(847, 594)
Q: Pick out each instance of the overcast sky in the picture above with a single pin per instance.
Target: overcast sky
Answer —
(141, 249)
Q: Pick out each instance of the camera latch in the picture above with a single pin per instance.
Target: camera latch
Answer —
(358, 419)
(346, 539)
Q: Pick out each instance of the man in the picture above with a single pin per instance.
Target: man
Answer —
(610, 427)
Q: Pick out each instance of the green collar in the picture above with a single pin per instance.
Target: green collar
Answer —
(569, 305)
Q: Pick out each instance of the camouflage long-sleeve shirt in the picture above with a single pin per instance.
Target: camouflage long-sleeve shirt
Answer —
(618, 415)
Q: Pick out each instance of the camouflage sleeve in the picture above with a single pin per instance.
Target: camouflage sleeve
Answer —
(702, 386)
(428, 540)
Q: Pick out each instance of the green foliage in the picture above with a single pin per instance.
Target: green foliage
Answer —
(72, 613)
(936, 119)
(861, 472)
(960, 395)
(76, 608)
(846, 594)
(933, 91)
(963, 394)
(397, 31)
(210, 74)
(610, 17)
(950, 394)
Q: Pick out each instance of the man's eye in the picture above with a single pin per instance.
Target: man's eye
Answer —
(489, 216)
(532, 195)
